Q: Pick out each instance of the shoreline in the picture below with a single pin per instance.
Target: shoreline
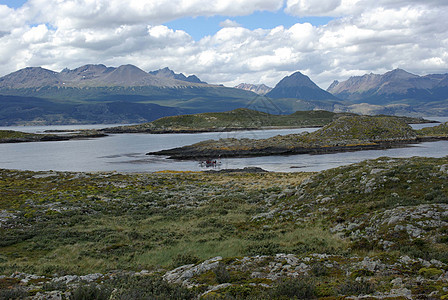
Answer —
(183, 153)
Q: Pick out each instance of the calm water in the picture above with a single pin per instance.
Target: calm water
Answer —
(126, 153)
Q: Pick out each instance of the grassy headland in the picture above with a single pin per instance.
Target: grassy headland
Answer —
(374, 228)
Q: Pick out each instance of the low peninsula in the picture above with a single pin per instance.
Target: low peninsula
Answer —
(347, 133)
(11, 136)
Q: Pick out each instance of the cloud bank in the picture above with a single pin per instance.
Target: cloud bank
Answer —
(365, 36)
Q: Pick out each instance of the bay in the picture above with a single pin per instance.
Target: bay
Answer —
(126, 152)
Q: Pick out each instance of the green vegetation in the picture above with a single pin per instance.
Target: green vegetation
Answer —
(377, 227)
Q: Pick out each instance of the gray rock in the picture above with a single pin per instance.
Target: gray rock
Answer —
(401, 292)
(184, 273)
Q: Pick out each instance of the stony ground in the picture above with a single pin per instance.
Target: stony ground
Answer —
(373, 230)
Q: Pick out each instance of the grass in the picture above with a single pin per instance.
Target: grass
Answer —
(127, 221)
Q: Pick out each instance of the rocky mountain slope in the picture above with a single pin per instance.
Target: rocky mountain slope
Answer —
(260, 89)
(392, 86)
(299, 86)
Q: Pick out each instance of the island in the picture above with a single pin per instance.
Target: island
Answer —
(346, 133)
(239, 119)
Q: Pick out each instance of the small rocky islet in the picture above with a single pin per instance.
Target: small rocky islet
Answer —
(372, 230)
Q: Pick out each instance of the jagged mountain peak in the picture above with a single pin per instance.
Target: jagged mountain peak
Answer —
(333, 85)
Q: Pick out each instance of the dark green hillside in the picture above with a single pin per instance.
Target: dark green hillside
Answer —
(15, 110)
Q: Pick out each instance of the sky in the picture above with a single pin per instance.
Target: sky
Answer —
(229, 41)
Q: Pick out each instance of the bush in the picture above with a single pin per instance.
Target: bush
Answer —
(353, 287)
(15, 293)
(147, 287)
(294, 288)
(267, 248)
(90, 292)
(221, 274)
(185, 259)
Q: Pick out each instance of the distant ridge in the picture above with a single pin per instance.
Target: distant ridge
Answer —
(260, 89)
(299, 86)
(392, 86)
(90, 76)
(167, 73)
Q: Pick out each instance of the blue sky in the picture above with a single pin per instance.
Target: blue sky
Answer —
(198, 27)
(13, 3)
(201, 26)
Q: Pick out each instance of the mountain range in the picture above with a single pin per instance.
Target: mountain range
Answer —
(127, 94)
(95, 76)
(392, 87)
(35, 95)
